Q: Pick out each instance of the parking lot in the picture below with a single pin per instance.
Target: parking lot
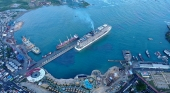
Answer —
(160, 79)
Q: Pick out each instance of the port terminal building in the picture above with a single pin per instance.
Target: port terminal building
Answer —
(35, 75)
(150, 65)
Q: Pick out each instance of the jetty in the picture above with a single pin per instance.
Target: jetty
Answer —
(109, 60)
(54, 55)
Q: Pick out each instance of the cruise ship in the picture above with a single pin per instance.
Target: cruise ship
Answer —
(92, 36)
(30, 46)
(61, 45)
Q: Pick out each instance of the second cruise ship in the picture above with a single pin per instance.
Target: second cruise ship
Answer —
(92, 36)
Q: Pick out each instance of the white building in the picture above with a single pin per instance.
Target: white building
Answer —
(35, 75)
(152, 65)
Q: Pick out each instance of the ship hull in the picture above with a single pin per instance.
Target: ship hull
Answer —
(59, 47)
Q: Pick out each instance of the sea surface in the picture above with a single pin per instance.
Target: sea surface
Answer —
(132, 21)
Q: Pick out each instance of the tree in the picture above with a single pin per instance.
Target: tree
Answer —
(140, 86)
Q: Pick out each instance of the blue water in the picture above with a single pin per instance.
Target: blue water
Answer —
(132, 21)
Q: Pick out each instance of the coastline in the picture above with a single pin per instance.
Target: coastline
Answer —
(21, 13)
(98, 74)
(98, 81)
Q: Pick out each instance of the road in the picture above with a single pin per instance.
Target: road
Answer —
(132, 82)
(9, 84)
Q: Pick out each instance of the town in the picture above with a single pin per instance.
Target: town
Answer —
(19, 73)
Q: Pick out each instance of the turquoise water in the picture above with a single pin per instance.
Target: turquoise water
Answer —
(132, 21)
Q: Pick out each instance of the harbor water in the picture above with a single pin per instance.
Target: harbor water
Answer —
(132, 21)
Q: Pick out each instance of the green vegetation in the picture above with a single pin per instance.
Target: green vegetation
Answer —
(6, 4)
(151, 83)
(140, 86)
(167, 36)
(26, 4)
(23, 4)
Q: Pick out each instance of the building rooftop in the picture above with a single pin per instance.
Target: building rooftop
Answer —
(35, 75)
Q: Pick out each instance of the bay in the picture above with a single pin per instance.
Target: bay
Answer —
(132, 21)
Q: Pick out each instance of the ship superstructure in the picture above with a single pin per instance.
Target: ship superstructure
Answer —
(30, 46)
(92, 36)
(27, 43)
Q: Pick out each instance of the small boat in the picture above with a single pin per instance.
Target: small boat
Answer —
(44, 56)
(167, 52)
(49, 53)
(136, 58)
(147, 53)
(150, 39)
(158, 54)
(140, 56)
(133, 57)
(165, 58)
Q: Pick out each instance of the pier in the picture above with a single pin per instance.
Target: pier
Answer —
(54, 55)
(127, 55)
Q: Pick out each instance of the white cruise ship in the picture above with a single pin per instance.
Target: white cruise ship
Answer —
(92, 36)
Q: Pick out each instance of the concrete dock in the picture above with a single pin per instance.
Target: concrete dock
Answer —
(54, 55)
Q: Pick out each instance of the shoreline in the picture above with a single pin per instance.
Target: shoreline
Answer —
(22, 13)
(98, 81)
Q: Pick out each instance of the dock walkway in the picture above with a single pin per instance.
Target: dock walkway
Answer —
(54, 55)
